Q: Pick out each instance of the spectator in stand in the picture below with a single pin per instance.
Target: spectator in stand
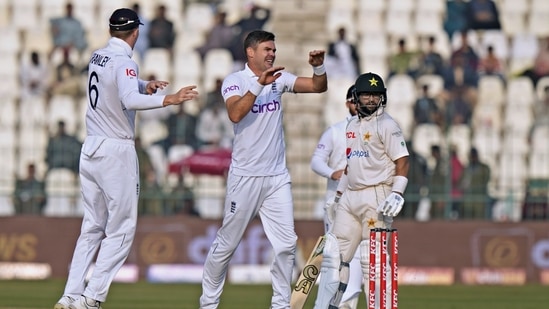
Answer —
(540, 68)
(456, 172)
(342, 58)
(142, 43)
(465, 52)
(482, 15)
(220, 36)
(67, 78)
(34, 77)
(431, 62)
(541, 113)
(456, 17)
(215, 97)
(151, 195)
(214, 129)
(426, 109)
(418, 174)
(29, 196)
(439, 187)
(68, 32)
(459, 110)
(461, 77)
(146, 167)
(460, 74)
(474, 182)
(404, 61)
(181, 130)
(257, 18)
(63, 150)
(180, 200)
(161, 31)
(491, 65)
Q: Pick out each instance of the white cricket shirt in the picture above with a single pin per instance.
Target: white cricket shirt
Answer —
(373, 145)
(329, 155)
(115, 92)
(258, 146)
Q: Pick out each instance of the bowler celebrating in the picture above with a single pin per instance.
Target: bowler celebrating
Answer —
(258, 181)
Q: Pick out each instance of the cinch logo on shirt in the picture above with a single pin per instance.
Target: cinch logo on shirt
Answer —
(131, 72)
(267, 107)
(230, 88)
(351, 135)
(357, 153)
(320, 146)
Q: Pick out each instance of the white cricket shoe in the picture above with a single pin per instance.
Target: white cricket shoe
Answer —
(64, 302)
(85, 303)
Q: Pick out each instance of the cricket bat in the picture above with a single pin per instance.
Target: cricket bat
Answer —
(308, 276)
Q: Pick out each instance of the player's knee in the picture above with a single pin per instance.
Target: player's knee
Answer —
(286, 247)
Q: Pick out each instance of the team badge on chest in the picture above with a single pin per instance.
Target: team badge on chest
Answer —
(366, 138)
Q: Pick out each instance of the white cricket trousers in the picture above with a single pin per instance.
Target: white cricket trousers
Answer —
(110, 190)
(354, 286)
(356, 215)
(269, 197)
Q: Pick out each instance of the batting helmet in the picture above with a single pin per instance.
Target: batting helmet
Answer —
(369, 83)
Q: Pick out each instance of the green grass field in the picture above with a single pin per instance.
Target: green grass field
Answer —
(142, 295)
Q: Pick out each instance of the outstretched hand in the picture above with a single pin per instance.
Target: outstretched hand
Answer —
(316, 57)
(154, 85)
(184, 94)
(270, 75)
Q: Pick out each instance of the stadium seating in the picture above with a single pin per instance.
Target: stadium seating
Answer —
(425, 136)
(62, 191)
(501, 117)
(8, 114)
(459, 136)
(157, 61)
(198, 17)
(218, 63)
(24, 14)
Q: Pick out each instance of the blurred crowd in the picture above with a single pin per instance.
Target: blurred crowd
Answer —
(452, 180)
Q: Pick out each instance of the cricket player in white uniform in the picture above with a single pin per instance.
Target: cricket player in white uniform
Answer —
(369, 193)
(109, 172)
(258, 183)
(329, 161)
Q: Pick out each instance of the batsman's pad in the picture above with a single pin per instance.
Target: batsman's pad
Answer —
(392, 205)
(308, 276)
(329, 281)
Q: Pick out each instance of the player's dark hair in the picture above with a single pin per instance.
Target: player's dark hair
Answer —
(256, 37)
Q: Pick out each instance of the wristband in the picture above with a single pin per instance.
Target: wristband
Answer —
(256, 88)
(399, 184)
(319, 70)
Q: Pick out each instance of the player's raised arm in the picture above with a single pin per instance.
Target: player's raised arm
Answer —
(318, 83)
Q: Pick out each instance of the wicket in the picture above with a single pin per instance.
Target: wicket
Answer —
(380, 247)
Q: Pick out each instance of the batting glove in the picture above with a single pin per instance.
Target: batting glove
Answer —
(392, 205)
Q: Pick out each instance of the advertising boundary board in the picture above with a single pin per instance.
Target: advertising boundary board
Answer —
(472, 252)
